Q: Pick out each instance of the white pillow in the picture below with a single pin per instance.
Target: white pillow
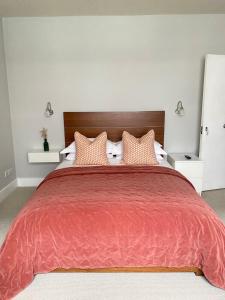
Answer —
(69, 149)
(118, 148)
(71, 156)
(113, 148)
(72, 148)
(159, 150)
(159, 157)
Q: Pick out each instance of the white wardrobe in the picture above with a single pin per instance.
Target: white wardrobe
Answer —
(212, 139)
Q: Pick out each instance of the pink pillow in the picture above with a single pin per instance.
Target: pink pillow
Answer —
(139, 151)
(91, 152)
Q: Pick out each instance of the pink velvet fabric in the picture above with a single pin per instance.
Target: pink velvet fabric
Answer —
(101, 217)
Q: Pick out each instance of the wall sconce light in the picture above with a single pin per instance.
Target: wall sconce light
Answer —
(49, 111)
(180, 109)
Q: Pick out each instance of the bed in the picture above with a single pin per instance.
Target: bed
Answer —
(113, 218)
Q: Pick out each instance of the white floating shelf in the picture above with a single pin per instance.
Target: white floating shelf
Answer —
(40, 156)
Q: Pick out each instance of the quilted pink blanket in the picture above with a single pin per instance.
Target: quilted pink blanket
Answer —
(102, 217)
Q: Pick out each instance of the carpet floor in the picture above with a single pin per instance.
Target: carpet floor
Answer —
(113, 286)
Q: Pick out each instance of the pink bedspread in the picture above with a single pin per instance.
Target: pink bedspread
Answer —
(101, 217)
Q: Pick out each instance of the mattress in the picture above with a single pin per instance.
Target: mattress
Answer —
(113, 161)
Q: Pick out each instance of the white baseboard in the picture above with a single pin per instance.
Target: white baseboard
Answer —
(8, 189)
(29, 181)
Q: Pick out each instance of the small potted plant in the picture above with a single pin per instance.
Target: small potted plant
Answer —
(44, 135)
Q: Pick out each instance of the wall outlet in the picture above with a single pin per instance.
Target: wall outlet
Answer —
(8, 172)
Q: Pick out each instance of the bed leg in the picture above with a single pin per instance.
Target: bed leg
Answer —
(199, 273)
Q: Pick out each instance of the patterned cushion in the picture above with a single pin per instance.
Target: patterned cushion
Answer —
(91, 152)
(139, 151)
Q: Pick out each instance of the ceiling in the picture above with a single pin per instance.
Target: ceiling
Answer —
(10, 8)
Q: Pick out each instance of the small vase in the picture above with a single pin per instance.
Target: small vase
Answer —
(46, 145)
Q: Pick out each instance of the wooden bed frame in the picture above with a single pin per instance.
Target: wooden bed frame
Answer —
(91, 124)
(137, 123)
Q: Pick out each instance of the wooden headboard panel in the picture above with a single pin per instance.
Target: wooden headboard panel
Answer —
(92, 123)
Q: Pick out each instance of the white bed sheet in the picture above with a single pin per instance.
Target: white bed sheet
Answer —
(113, 161)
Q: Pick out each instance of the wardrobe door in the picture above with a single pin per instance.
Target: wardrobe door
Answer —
(212, 141)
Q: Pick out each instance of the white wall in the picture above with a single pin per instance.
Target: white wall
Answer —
(105, 64)
(6, 145)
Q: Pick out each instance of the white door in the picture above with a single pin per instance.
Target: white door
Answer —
(212, 141)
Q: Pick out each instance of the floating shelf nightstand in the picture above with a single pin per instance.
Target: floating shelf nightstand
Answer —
(40, 156)
(191, 168)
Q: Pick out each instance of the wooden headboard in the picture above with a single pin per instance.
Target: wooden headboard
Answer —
(91, 124)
